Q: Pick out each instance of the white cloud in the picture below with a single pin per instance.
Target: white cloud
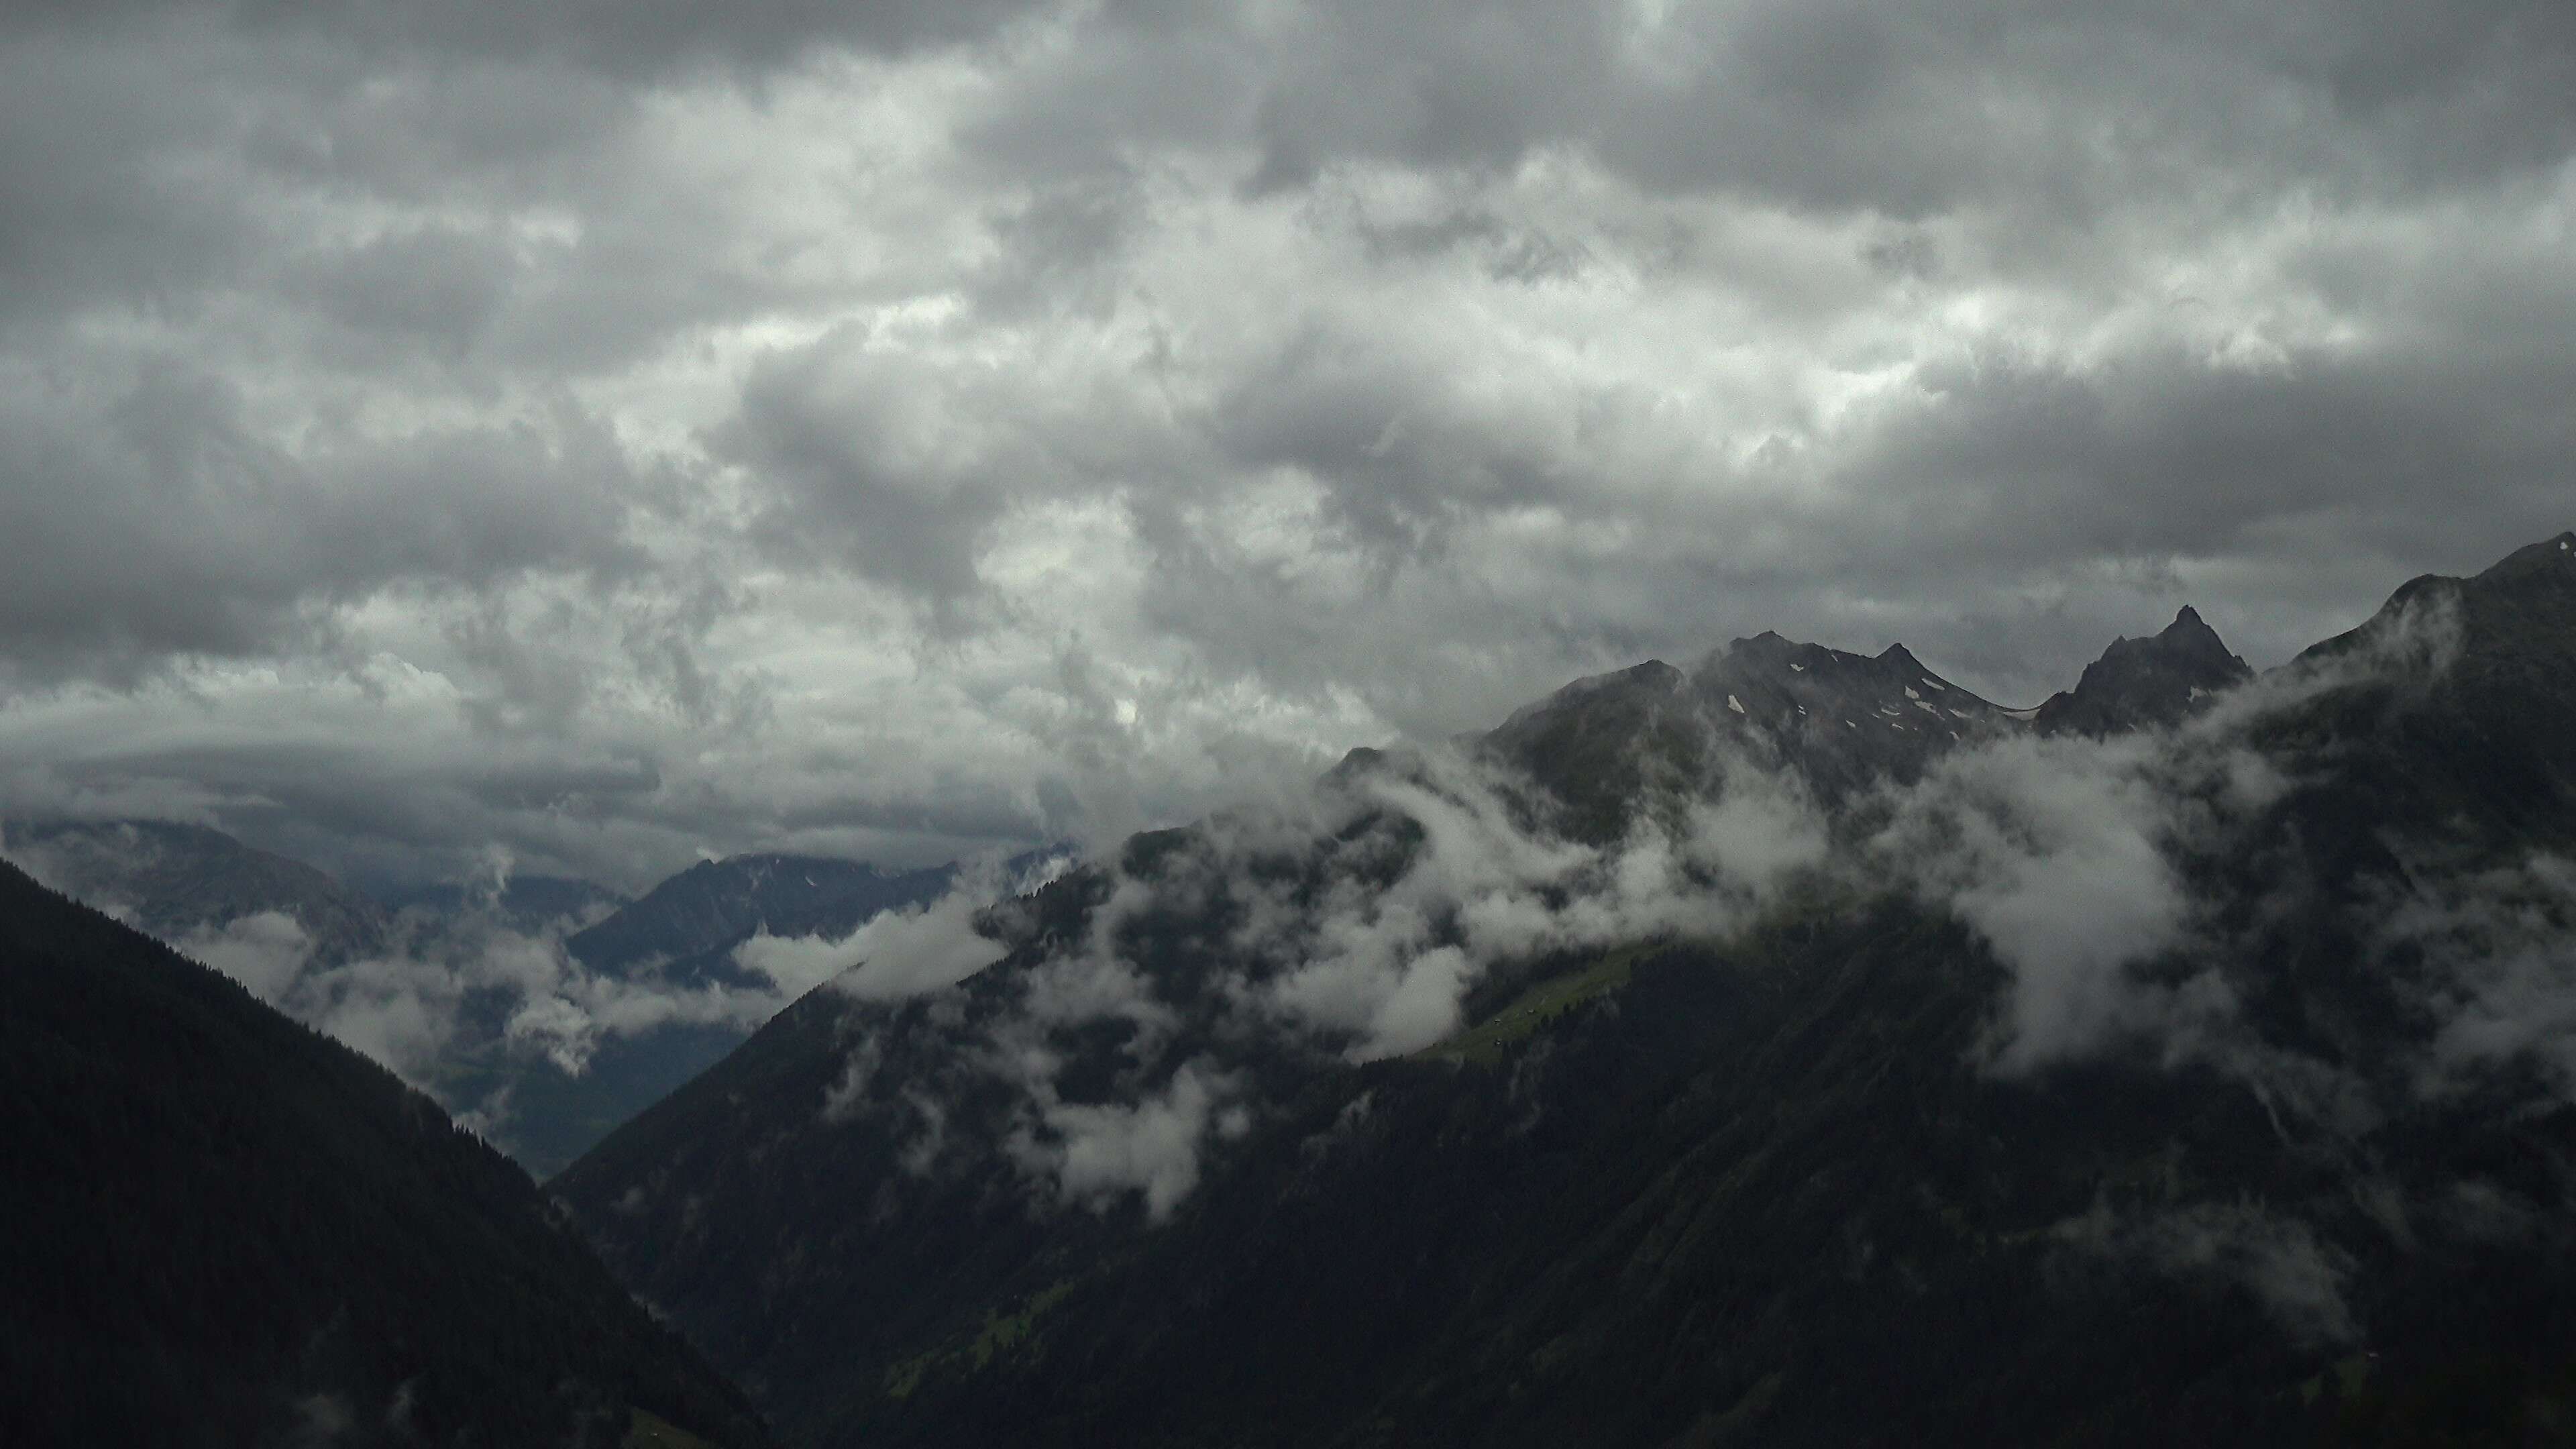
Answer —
(1101, 1151)
(2056, 851)
(265, 952)
(906, 952)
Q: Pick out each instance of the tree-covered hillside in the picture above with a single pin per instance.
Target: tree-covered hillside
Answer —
(224, 1228)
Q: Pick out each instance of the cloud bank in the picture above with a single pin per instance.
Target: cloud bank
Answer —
(901, 429)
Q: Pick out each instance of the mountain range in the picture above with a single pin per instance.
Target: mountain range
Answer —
(1787, 1048)
(1790, 1048)
(490, 993)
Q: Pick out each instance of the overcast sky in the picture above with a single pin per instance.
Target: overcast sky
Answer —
(621, 432)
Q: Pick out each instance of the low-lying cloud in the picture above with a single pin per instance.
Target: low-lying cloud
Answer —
(1352, 924)
(2070, 856)
(1348, 926)
(902, 952)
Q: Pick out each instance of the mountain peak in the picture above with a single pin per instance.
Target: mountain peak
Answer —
(2523, 606)
(2550, 557)
(2142, 682)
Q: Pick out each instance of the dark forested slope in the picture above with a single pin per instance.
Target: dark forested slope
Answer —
(223, 1228)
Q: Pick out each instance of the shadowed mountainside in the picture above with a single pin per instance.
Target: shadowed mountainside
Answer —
(2183, 1070)
(225, 1228)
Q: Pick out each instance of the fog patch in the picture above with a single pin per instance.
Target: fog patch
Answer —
(905, 951)
(2498, 950)
(2066, 856)
(2297, 1278)
(842, 1099)
(265, 951)
(794, 964)
(1096, 1153)
(1348, 926)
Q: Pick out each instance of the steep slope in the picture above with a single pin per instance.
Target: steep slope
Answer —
(688, 925)
(832, 1195)
(170, 879)
(461, 962)
(2200, 1081)
(682, 936)
(226, 1229)
(1135, 1009)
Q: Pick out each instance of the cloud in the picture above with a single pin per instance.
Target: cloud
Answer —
(2060, 854)
(443, 985)
(1098, 1152)
(1348, 924)
(903, 952)
(265, 951)
(2297, 1277)
(2072, 859)
(2500, 948)
(622, 435)
(151, 519)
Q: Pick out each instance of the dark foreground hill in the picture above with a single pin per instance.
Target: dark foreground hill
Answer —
(223, 1228)
(1794, 1050)
(460, 951)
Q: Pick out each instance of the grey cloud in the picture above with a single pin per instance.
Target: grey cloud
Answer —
(635, 41)
(264, 951)
(92, 203)
(897, 954)
(878, 464)
(2169, 455)
(2072, 859)
(1098, 1152)
(158, 170)
(2058, 853)
(1354, 921)
(149, 516)
(1454, 84)
(555, 371)
(2497, 969)
(2059, 115)
(433, 286)
(1398, 455)
(422, 1000)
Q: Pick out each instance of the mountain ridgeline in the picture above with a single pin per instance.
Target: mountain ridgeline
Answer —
(318, 949)
(682, 935)
(227, 1229)
(1790, 1049)
(689, 925)
(176, 881)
